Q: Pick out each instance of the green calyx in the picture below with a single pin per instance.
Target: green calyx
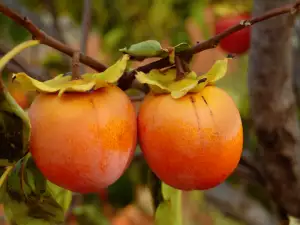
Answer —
(64, 83)
(162, 82)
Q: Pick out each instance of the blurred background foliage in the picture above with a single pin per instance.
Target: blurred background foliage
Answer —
(119, 23)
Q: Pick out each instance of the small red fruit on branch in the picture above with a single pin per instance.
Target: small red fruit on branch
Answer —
(238, 42)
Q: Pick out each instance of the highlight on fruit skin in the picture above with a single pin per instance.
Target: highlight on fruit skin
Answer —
(191, 143)
(83, 141)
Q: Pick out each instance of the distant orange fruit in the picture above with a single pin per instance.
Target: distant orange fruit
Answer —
(20, 97)
(83, 141)
(191, 143)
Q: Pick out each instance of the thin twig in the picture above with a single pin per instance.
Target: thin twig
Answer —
(85, 27)
(50, 41)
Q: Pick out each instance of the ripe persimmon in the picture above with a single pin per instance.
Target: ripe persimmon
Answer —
(83, 141)
(194, 142)
(20, 97)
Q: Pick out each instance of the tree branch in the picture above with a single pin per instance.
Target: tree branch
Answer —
(85, 27)
(127, 79)
(48, 40)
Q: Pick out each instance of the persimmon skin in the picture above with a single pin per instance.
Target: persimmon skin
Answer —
(20, 98)
(83, 141)
(191, 143)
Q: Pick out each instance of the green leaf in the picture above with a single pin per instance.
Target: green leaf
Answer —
(167, 191)
(90, 214)
(181, 47)
(169, 211)
(29, 198)
(14, 122)
(176, 49)
(163, 214)
(62, 83)
(14, 130)
(149, 48)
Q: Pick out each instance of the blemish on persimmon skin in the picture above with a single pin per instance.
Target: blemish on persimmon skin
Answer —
(193, 101)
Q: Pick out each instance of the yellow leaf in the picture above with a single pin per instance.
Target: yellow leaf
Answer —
(164, 77)
(64, 83)
(192, 74)
(16, 50)
(31, 84)
(77, 86)
(217, 71)
(144, 79)
(158, 90)
(165, 82)
(181, 87)
(113, 73)
(202, 82)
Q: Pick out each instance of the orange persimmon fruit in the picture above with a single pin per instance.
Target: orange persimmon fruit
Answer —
(194, 142)
(83, 142)
(20, 97)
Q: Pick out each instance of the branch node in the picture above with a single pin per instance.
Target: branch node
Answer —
(25, 18)
(294, 10)
(245, 23)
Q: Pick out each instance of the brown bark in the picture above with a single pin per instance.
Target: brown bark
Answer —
(296, 60)
(273, 106)
(235, 202)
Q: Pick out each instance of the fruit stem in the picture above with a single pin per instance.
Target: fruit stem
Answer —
(178, 205)
(76, 66)
(179, 68)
